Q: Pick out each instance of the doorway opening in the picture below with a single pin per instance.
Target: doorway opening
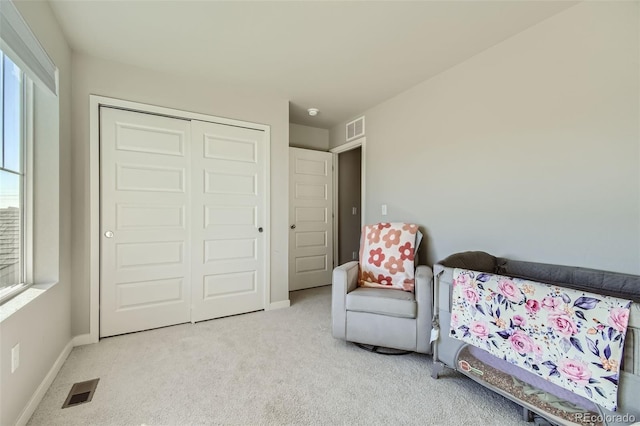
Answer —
(349, 184)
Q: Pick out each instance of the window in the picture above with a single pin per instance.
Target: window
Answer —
(13, 171)
(29, 198)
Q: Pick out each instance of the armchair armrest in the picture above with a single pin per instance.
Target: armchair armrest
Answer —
(345, 279)
(424, 300)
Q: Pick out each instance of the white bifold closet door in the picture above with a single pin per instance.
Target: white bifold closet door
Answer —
(228, 219)
(181, 207)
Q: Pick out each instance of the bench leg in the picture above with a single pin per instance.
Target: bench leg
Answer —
(527, 415)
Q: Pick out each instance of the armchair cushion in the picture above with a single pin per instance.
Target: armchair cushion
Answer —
(380, 301)
(387, 254)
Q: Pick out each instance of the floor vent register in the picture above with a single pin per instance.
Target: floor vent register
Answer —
(81, 393)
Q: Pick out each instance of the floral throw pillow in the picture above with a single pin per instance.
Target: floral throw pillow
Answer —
(387, 253)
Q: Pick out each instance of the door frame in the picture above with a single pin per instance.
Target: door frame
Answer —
(95, 102)
(358, 143)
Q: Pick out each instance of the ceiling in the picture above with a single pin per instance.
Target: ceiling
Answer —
(342, 57)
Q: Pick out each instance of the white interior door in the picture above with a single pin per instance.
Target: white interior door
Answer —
(311, 218)
(145, 269)
(229, 220)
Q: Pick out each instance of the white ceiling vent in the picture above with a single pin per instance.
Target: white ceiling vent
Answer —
(355, 128)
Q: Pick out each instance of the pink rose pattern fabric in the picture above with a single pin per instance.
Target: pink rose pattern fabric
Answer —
(387, 256)
(572, 338)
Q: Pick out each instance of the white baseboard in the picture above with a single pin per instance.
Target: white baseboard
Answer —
(84, 339)
(42, 389)
(279, 305)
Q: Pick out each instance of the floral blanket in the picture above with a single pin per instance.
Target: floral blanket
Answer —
(572, 338)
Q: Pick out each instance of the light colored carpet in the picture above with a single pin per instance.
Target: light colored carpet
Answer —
(277, 367)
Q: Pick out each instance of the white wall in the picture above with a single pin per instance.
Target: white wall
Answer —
(42, 327)
(308, 137)
(106, 78)
(528, 150)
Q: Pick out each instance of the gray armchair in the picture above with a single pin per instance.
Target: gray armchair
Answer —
(382, 317)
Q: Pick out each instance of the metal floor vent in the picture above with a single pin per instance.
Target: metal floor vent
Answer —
(80, 393)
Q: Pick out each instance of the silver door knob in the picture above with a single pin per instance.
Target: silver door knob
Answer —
(108, 234)
(293, 226)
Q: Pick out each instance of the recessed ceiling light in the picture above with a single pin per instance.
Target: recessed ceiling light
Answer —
(313, 111)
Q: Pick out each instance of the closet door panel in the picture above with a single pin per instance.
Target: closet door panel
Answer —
(145, 268)
(229, 205)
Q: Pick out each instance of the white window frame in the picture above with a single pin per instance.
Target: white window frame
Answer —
(17, 38)
(29, 170)
(26, 200)
(41, 248)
